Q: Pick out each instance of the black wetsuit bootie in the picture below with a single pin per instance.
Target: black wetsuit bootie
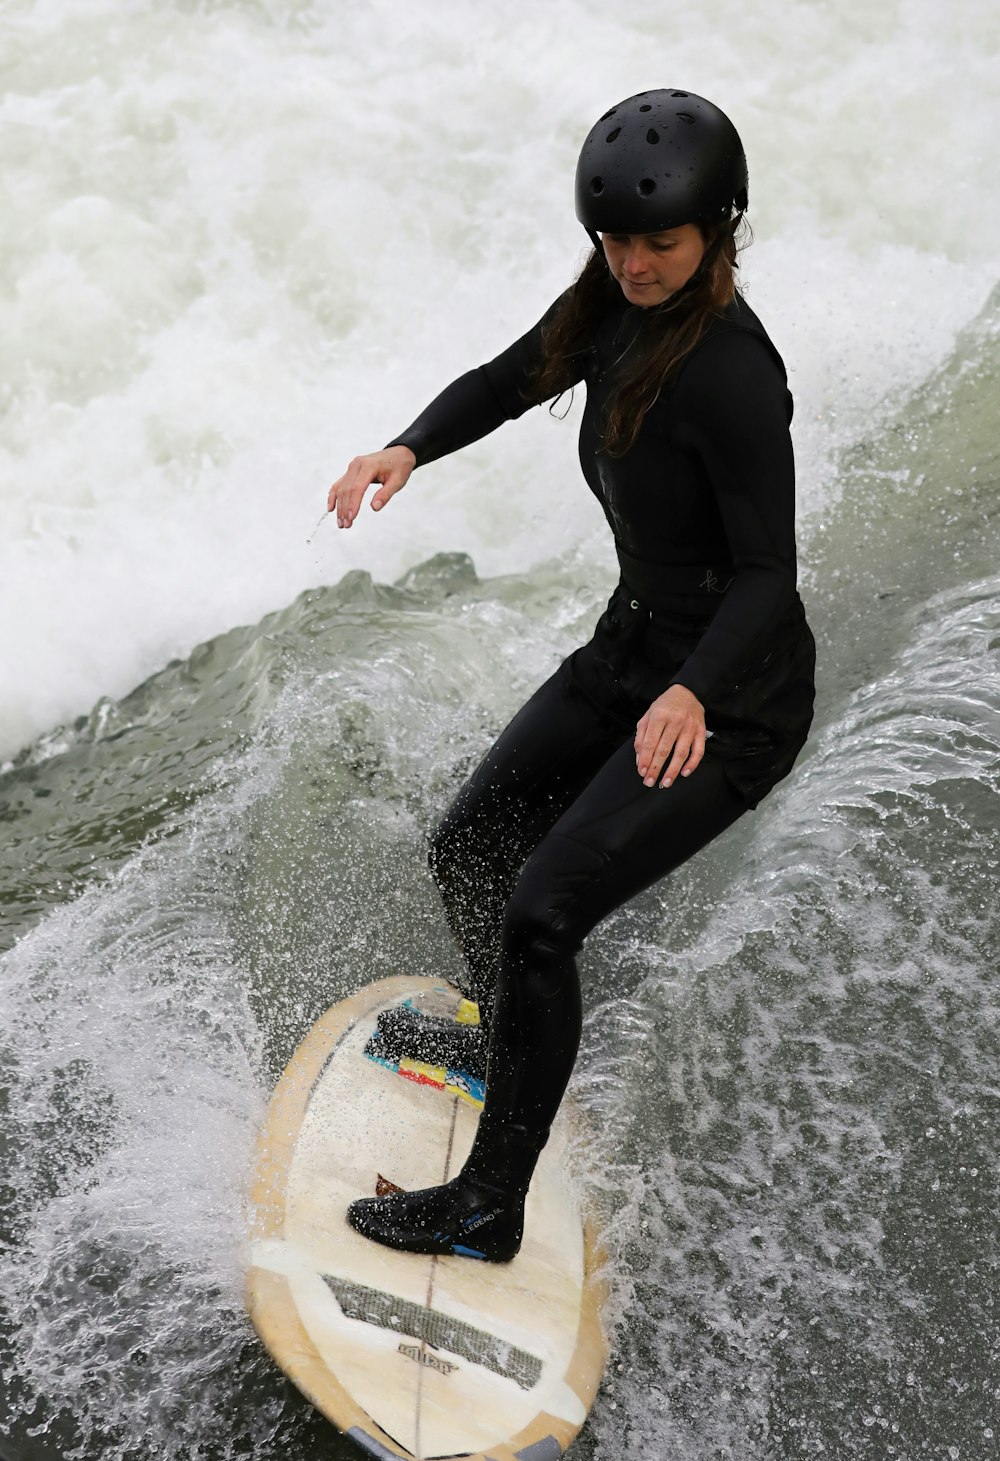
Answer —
(404, 1032)
(478, 1214)
(469, 1218)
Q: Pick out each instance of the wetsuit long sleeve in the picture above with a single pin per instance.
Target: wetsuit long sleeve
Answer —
(479, 401)
(465, 411)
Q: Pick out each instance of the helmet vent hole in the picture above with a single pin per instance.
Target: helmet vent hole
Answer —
(609, 114)
(597, 186)
(645, 107)
(646, 186)
(678, 93)
(612, 134)
(685, 117)
(652, 135)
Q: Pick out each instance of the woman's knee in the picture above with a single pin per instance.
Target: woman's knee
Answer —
(541, 965)
(539, 943)
(551, 900)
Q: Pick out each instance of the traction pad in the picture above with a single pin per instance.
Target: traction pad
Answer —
(443, 1078)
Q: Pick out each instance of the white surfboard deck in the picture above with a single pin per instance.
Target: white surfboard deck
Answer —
(413, 1356)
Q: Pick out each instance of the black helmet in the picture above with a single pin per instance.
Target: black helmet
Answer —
(658, 160)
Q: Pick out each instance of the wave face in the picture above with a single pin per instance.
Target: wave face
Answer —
(243, 242)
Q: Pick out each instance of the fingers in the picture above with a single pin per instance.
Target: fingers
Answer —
(687, 755)
(659, 734)
(391, 469)
(348, 491)
(670, 738)
(677, 746)
(391, 484)
(649, 733)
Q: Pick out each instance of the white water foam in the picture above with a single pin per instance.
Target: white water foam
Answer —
(243, 242)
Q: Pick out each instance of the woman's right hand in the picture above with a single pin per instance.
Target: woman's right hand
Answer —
(391, 468)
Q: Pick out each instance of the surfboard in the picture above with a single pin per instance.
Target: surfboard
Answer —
(413, 1356)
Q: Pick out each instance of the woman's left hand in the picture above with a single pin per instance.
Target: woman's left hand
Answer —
(673, 732)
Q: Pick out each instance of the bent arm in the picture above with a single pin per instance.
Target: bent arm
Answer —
(739, 409)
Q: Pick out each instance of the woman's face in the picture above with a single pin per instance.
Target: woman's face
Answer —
(650, 267)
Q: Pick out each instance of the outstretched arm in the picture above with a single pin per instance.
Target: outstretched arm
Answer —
(466, 410)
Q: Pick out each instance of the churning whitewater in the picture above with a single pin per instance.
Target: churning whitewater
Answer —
(242, 243)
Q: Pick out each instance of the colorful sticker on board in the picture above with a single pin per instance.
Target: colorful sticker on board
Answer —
(459, 1083)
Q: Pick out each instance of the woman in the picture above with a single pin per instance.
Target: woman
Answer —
(695, 694)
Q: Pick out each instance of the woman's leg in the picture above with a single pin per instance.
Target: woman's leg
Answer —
(533, 772)
(616, 838)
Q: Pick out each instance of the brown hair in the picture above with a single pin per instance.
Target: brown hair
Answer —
(682, 321)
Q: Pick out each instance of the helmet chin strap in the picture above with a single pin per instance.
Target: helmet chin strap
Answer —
(595, 239)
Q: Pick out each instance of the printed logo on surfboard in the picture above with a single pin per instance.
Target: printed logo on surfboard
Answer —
(424, 1357)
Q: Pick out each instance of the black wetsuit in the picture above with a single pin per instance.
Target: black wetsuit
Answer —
(556, 828)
